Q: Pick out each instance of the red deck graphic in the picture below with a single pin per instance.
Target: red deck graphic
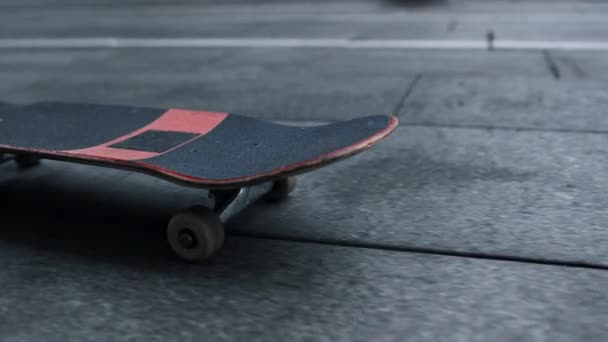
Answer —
(173, 120)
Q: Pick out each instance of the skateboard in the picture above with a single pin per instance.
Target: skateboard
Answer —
(235, 160)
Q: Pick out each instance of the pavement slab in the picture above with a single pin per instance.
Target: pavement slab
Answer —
(281, 84)
(508, 102)
(93, 282)
(524, 194)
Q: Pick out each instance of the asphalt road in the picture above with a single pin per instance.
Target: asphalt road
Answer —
(483, 217)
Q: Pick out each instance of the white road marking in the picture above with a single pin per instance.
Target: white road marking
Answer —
(551, 45)
(63, 43)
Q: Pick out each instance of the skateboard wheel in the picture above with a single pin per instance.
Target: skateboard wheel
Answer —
(195, 234)
(281, 189)
(26, 161)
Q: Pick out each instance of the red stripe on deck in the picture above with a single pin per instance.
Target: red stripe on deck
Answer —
(189, 121)
(116, 153)
(177, 120)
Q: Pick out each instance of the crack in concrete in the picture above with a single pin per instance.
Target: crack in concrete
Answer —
(431, 251)
(406, 94)
(553, 68)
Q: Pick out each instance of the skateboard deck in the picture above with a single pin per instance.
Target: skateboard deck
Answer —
(212, 150)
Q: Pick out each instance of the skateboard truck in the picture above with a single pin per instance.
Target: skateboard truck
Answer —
(196, 233)
(242, 199)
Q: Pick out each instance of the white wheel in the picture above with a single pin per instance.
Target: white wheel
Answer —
(25, 161)
(195, 234)
(281, 189)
